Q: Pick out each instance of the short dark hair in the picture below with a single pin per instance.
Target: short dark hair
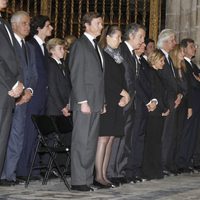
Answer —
(38, 22)
(109, 30)
(132, 29)
(148, 40)
(88, 17)
(184, 42)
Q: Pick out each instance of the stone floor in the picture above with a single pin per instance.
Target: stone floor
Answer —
(182, 187)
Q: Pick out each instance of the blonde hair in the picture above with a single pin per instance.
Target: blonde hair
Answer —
(52, 43)
(154, 56)
(178, 64)
(69, 40)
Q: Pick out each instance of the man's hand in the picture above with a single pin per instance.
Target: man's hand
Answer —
(151, 106)
(25, 98)
(66, 112)
(17, 91)
(85, 108)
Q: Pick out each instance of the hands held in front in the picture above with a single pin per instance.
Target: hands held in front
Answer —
(178, 100)
(151, 106)
(165, 113)
(85, 108)
(189, 113)
(25, 98)
(125, 98)
(66, 111)
(17, 91)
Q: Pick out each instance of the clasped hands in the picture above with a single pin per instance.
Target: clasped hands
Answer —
(16, 91)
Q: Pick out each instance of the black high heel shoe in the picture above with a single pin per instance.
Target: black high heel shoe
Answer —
(100, 185)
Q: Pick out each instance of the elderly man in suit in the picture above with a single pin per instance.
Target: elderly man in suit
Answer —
(87, 100)
(21, 27)
(40, 29)
(166, 42)
(10, 82)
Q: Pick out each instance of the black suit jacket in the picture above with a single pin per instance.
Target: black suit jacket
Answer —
(170, 83)
(59, 88)
(9, 66)
(130, 68)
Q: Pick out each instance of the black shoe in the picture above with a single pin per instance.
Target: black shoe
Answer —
(82, 188)
(101, 186)
(127, 180)
(166, 173)
(4, 182)
(137, 179)
(22, 178)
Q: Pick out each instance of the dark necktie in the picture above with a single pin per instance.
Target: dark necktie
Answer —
(61, 68)
(96, 48)
(137, 65)
(45, 49)
(171, 66)
(24, 51)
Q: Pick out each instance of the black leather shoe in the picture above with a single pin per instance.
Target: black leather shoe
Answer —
(4, 182)
(82, 188)
(127, 180)
(101, 186)
(137, 179)
(166, 173)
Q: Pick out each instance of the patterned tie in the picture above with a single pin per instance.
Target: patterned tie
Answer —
(97, 50)
(171, 66)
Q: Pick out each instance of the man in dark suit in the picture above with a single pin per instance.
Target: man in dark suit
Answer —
(122, 152)
(10, 81)
(190, 140)
(166, 42)
(21, 27)
(87, 101)
(40, 30)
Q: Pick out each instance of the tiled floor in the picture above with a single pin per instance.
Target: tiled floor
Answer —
(182, 187)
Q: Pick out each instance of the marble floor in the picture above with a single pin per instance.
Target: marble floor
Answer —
(182, 187)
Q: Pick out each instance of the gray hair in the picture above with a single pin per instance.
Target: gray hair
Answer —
(164, 35)
(132, 29)
(17, 16)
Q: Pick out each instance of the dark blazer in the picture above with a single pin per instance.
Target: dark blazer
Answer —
(158, 92)
(143, 87)
(29, 70)
(130, 68)
(194, 86)
(9, 65)
(59, 88)
(41, 90)
(170, 83)
(86, 86)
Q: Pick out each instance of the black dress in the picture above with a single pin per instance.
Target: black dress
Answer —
(112, 122)
(152, 167)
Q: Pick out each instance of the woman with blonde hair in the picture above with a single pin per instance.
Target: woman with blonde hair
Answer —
(184, 111)
(152, 166)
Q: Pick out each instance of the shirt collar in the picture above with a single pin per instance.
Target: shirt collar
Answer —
(188, 59)
(166, 54)
(19, 40)
(39, 40)
(129, 47)
(90, 37)
(58, 61)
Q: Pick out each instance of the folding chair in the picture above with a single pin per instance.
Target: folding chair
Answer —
(45, 127)
(64, 126)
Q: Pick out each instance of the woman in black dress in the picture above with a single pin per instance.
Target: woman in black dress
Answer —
(116, 97)
(152, 167)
